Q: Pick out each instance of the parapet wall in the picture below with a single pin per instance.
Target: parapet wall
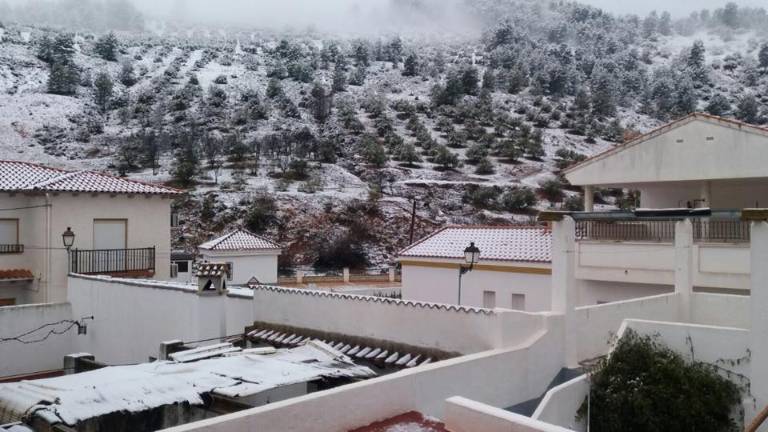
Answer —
(444, 327)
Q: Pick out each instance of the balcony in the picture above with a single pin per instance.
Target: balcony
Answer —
(114, 262)
(640, 247)
(7, 249)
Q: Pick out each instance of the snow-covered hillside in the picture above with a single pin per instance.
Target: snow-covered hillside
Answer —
(323, 141)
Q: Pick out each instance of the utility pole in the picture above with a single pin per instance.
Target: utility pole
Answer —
(413, 220)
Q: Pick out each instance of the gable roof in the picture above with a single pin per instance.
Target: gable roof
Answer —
(496, 243)
(722, 121)
(240, 240)
(16, 176)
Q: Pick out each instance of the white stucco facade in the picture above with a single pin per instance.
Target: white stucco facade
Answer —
(698, 161)
(245, 265)
(42, 218)
(509, 285)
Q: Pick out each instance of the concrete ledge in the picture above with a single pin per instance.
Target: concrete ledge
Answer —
(464, 415)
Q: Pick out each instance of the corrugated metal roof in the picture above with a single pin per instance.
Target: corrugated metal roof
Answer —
(18, 176)
(74, 398)
(240, 240)
(503, 243)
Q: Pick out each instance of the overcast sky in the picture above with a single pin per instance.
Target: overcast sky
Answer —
(676, 7)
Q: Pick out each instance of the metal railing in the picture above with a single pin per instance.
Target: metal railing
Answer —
(647, 230)
(726, 231)
(704, 231)
(11, 249)
(112, 261)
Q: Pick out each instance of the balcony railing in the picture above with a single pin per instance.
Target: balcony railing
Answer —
(704, 231)
(112, 261)
(725, 231)
(11, 249)
(647, 230)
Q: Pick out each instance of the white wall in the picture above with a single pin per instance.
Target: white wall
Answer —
(596, 325)
(464, 415)
(441, 285)
(449, 328)
(132, 318)
(20, 359)
(734, 153)
(720, 310)
(561, 404)
(247, 265)
(499, 378)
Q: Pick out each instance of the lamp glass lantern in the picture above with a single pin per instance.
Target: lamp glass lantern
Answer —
(472, 254)
(68, 237)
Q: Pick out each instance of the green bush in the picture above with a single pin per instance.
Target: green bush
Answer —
(645, 386)
(519, 199)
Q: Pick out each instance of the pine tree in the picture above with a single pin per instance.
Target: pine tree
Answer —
(361, 54)
(107, 47)
(489, 80)
(762, 56)
(411, 65)
(747, 110)
(274, 89)
(63, 79)
(696, 64)
(446, 158)
(665, 24)
(339, 79)
(103, 88)
(127, 75)
(322, 100)
(718, 105)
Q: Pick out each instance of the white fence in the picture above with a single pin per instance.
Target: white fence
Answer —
(43, 350)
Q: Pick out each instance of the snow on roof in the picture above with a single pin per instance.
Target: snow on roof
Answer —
(239, 240)
(18, 176)
(503, 243)
(74, 398)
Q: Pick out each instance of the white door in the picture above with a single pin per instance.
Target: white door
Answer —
(110, 234)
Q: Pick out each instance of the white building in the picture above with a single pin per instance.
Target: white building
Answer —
(697, 161)
(248, 255)
(701, 168)
(513, 270)
(121, 227)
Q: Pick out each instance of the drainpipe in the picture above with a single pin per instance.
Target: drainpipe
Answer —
(48, 205)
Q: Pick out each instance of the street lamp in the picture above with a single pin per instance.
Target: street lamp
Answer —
(68, 237)
(471, 256)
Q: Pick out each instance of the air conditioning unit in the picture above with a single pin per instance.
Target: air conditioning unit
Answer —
(174, 271)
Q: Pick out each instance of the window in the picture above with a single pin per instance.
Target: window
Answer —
(231, 270)
(183, 266)
(489, 299)
(9, 236)
(518, 302)
(110, 234)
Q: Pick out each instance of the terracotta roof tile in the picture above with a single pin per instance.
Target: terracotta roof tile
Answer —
(506, 243)
(239, 240)
(16, 274)
(18, 176)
